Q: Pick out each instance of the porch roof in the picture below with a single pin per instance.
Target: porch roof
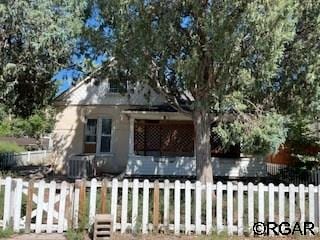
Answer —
(155, 114)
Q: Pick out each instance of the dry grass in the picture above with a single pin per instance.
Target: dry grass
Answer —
(212, 237)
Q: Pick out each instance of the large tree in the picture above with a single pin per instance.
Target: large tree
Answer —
(217, 61)
(36, 40)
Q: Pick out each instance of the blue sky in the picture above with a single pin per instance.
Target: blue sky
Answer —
(66, 76)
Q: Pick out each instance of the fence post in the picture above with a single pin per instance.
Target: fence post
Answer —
(82, 204)
(135, 200)
(52, 195)
(219, 207)
(124, 207)
(103, 202)
(198, 193)
(29, 206)
(187, 207)
(114, 203)
(209, 207)
(177, 207)
(240, 208)
(145, 206)
(29, 156)
(230, 208)
(156, 199)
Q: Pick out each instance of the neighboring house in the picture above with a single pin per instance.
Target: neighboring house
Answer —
(135, 132)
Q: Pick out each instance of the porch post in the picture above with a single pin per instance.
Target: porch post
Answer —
(131, 136)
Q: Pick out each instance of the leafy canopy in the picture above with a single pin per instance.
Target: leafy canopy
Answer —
(36, 39)
(254, 64)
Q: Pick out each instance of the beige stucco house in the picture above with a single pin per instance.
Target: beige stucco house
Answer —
(134, 132)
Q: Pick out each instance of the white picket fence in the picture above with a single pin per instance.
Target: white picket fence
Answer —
(178, 207)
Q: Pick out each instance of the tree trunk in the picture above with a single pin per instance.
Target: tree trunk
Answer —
(201, 121)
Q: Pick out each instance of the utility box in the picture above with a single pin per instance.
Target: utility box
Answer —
(81, 166)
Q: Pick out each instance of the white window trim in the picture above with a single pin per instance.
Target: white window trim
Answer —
(85, 132)
(99, 134)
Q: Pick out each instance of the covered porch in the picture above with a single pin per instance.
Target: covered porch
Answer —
(161, 143)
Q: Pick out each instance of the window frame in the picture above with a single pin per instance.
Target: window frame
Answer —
(99, 135)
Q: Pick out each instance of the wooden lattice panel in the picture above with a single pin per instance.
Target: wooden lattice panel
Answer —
(102, 227)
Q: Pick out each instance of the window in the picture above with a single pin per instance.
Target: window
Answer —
(98, 135)
(105, 141)
(117, 86)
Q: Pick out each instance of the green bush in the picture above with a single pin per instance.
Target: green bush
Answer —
(75, 235)
(6, 233)
(6, 147)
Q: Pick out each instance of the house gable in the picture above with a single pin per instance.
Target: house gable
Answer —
(91, 92)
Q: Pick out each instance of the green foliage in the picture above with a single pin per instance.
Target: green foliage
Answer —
(261, 135)
(6, 233)
(37, 38)
(75, 235)
(257, 61)
(6, 147)
(35, 125)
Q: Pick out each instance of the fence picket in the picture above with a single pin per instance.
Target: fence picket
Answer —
(135, 200)
(145, 207)
(51, 202)
(208, 207)
(177, 207)
(17, 205)
(250, 207)
(187, 207)
(311, 203)
(302, 203)
(219, 208)
(230, 208)
(271, 202)
(40, 206)
(156, 206)
(114, 203)
(124, 206)
(76, 200)
(292, 216)
(198, 193)
(166, 204)
(7, 202)
(62, 207)
(240, 208)
(261, 202)
(281, 202)
(93, 202)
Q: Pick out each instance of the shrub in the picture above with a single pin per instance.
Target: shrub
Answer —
(6, 233)
(75, 235)
(6, 147)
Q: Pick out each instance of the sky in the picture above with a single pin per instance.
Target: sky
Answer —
(65, 77)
